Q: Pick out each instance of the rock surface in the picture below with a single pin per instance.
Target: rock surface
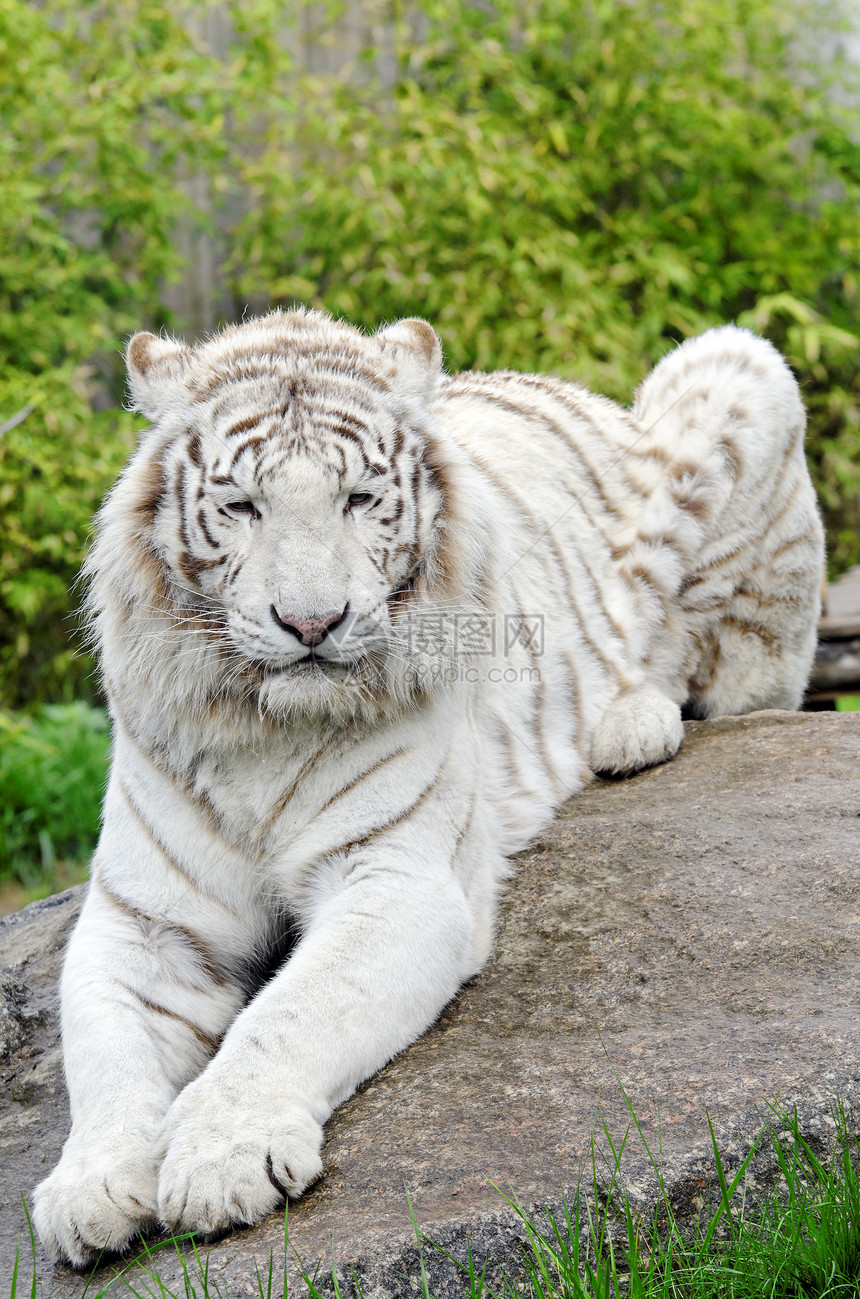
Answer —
(691, 932)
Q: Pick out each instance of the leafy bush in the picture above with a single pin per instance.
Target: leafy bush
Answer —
(563, 186)
(52, 479)
(556, 186)
(100, 106)
(52, 777)
(574, 187)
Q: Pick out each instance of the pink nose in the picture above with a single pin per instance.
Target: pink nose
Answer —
(310, 631)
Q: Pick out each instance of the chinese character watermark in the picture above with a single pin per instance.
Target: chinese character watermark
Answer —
(474, 635)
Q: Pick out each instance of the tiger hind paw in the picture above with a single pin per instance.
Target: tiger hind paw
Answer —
(640, 728)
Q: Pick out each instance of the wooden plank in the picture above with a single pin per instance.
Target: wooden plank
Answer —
(838, 628)
(837, 668)
(840, 619)
(842, 598)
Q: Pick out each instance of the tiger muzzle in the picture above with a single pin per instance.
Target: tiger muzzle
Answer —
(310, 631)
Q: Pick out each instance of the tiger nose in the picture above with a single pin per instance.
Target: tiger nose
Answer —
(310, 631)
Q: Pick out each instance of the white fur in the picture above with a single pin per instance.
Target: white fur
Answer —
(662, 557)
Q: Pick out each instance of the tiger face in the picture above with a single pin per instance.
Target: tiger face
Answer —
(298, 503)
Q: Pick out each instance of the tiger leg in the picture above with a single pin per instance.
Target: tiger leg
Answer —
(752, 601)
(724, 412)
(384, 948)
(139, 1018)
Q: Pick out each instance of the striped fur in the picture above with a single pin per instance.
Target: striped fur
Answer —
(363, 627)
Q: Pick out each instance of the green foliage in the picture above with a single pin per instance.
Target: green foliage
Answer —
(573, 188)
(54, 470)
(53, 766)
(556, 186)
(101, 105)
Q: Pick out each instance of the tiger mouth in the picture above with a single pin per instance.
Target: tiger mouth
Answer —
(311, 663)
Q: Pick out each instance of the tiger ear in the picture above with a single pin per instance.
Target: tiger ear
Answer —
(417, 353)
(157, 370)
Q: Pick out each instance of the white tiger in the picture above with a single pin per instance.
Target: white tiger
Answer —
(363, 626)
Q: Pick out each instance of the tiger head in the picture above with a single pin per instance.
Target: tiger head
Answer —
(292, 520)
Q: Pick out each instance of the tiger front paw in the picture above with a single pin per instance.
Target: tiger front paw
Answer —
(96, 1200)
(640, 728)
(232, 1160)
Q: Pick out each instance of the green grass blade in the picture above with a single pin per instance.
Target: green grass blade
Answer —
(14, 1290)
(466, 1268)
(726, 1191)
(32, 1248)
(268, 1291)
(286, 1246)
(425, 1282)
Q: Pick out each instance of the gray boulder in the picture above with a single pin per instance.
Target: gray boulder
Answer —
(688, 935)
